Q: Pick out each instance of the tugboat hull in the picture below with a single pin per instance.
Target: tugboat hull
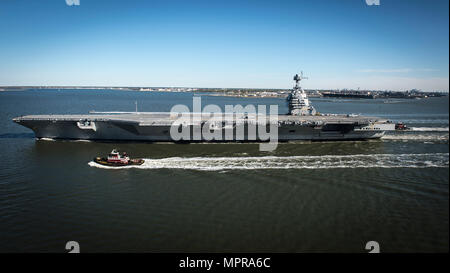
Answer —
(105, 162)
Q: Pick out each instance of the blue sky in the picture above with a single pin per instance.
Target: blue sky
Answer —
(399, 44)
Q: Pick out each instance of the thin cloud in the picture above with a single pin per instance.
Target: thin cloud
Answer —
(400, 70)
(381, 82)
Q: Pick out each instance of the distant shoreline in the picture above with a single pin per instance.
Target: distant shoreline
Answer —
(249, 93)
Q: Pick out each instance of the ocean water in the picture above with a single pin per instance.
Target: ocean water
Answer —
(302, 197)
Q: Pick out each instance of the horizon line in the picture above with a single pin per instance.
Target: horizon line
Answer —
(248, 88)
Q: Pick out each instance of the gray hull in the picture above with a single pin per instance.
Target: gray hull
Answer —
(156, 127)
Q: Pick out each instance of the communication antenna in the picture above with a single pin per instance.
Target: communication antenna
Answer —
(298, 78)
(301, 76)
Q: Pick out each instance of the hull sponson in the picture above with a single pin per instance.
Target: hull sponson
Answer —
(156, 127)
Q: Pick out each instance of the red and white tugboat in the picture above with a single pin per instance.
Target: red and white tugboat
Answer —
(115, 159)
(401, 127)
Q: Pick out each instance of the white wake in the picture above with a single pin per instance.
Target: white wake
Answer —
(430, 129)
(417, 136)
(293, 162)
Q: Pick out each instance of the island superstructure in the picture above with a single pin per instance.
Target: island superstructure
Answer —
(301, 123)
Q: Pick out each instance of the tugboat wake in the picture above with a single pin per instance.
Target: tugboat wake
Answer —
(439, 160)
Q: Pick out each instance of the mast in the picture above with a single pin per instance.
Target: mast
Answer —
(297, 79)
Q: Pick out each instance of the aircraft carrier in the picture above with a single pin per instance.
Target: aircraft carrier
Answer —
(301, 123)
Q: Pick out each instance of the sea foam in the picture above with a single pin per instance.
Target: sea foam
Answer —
(294, 162)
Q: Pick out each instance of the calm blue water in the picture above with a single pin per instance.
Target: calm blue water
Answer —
(303, 197)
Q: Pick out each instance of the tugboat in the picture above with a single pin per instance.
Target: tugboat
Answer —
(401, 127)
(115, 159)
